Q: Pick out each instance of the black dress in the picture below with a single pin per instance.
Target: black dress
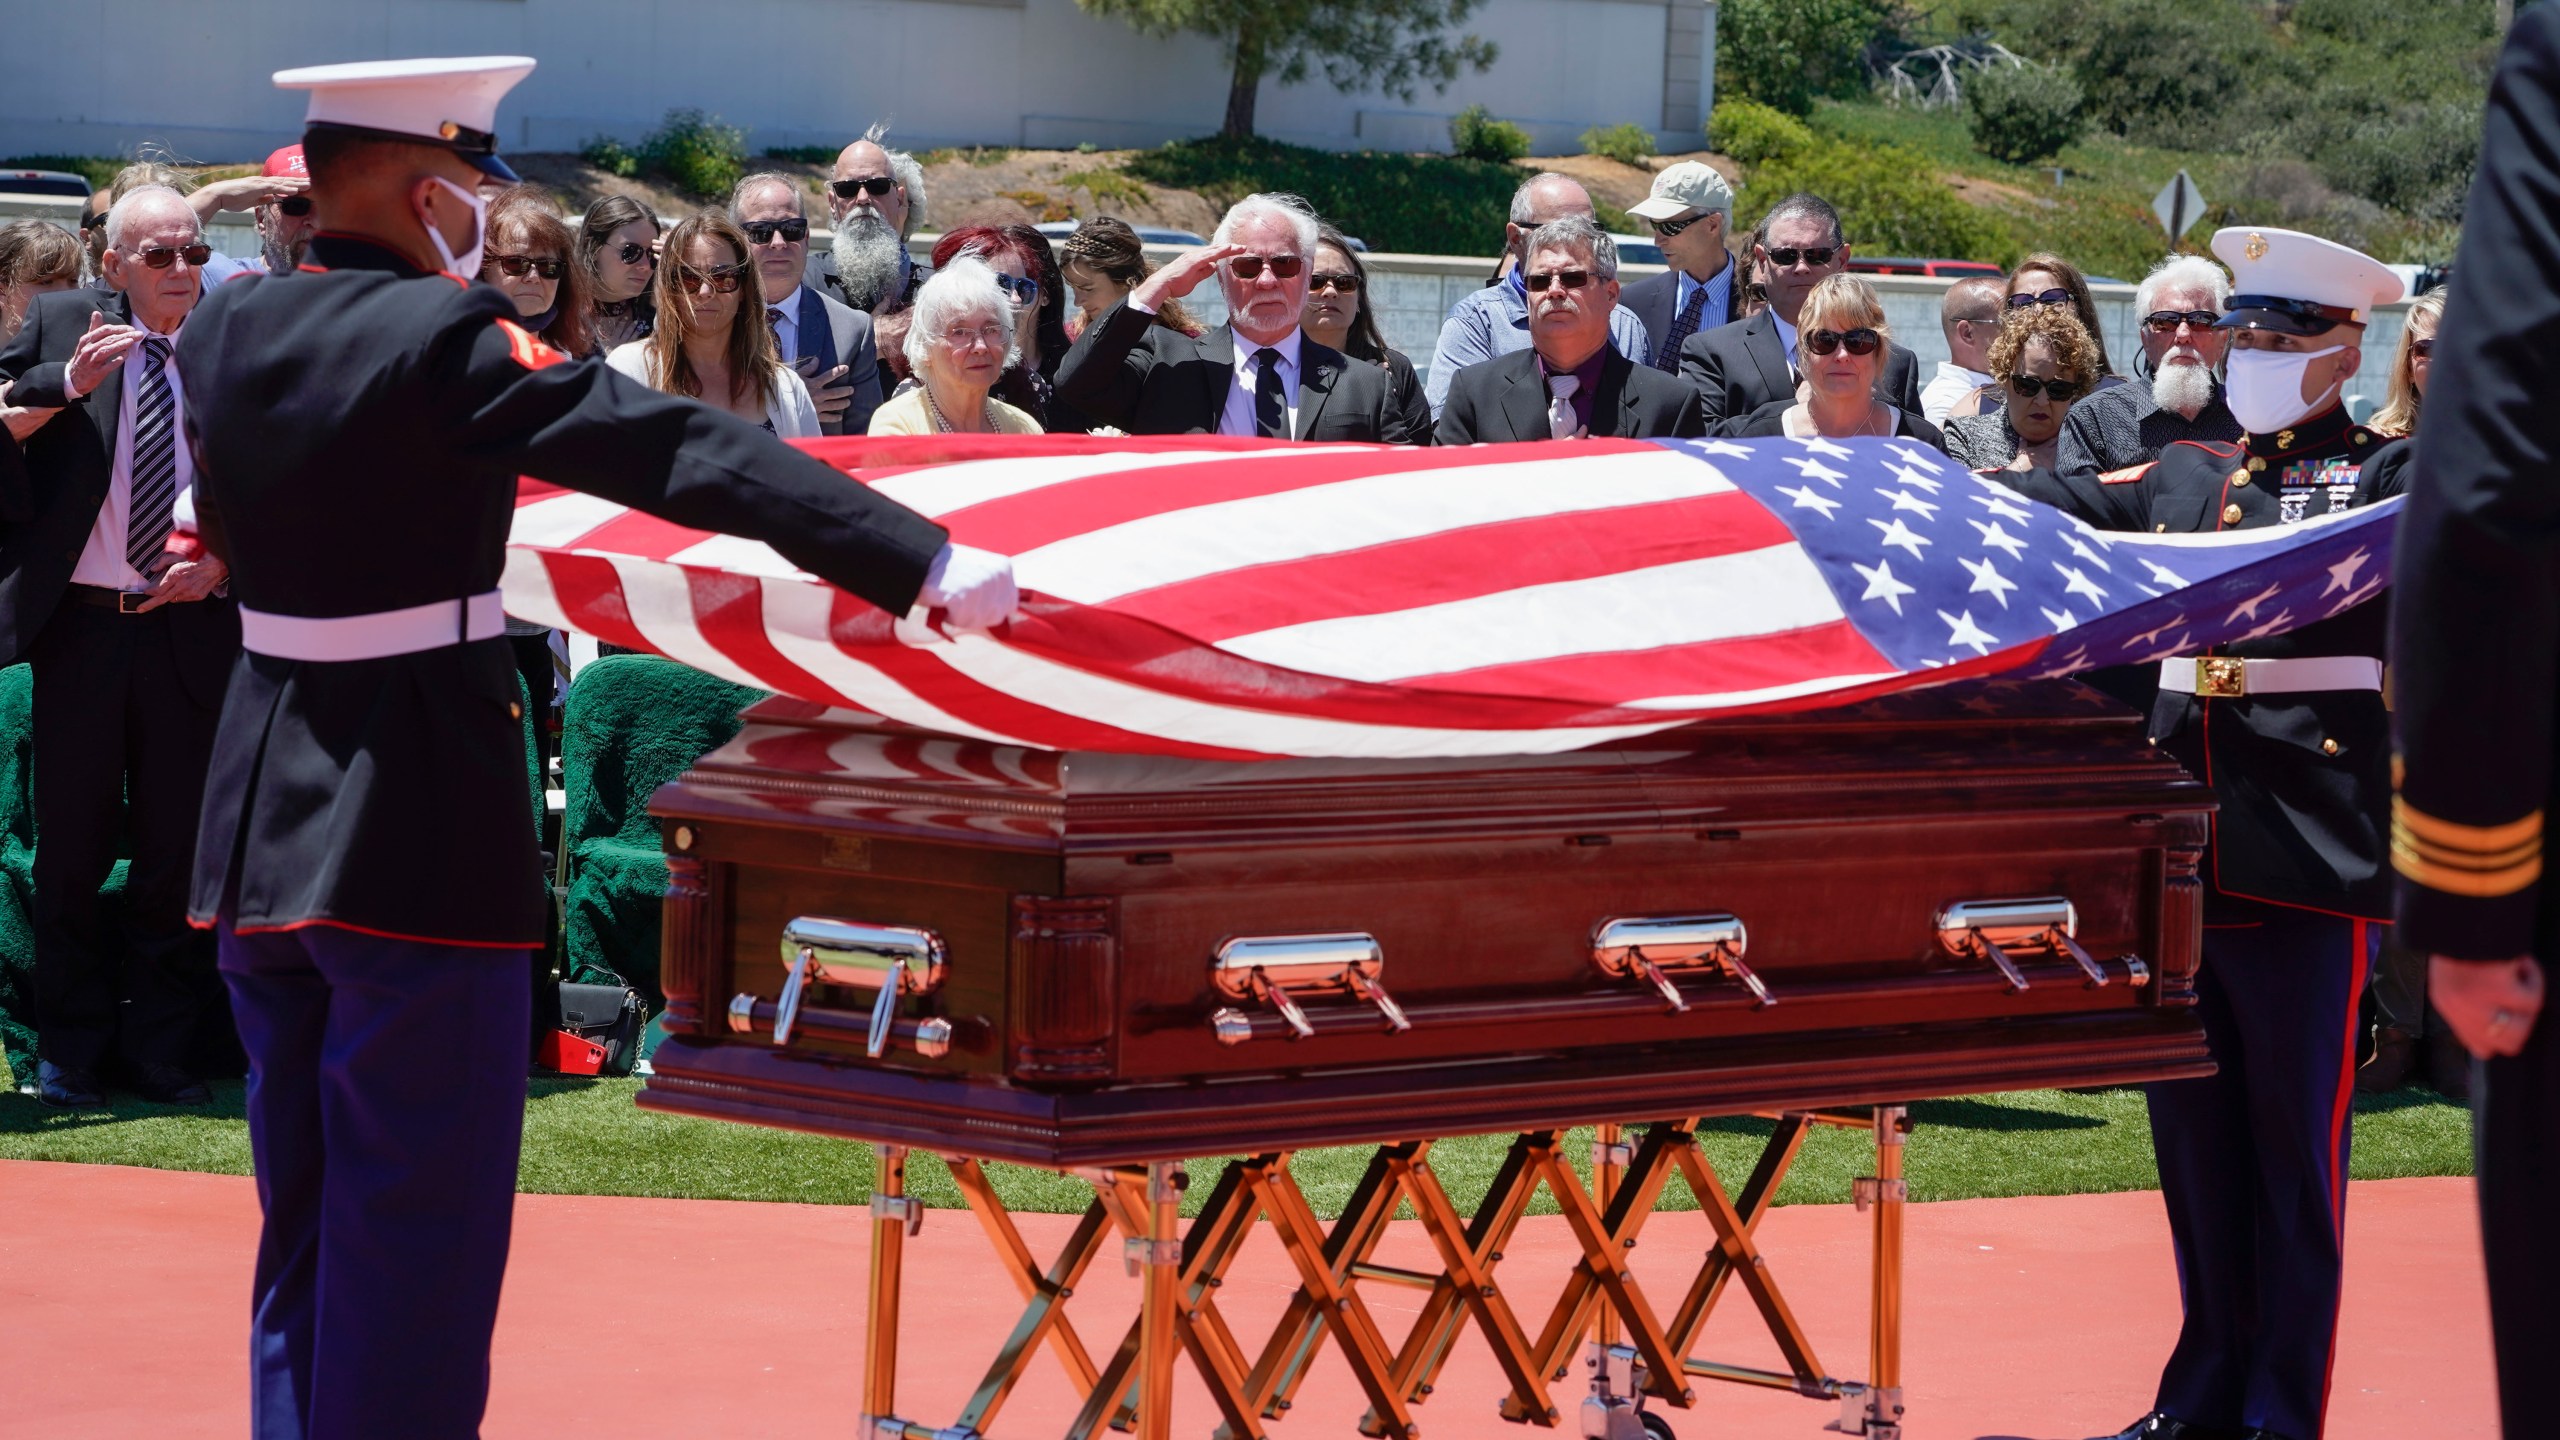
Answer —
(1771, 420)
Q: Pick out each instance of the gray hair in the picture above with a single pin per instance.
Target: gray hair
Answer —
(1300, 215)
(1575, 232)
(1801, 206)
(2183, 272)
(909, 174)
(739, 192)
(1523, 212)
(122, 211)
(964, 288)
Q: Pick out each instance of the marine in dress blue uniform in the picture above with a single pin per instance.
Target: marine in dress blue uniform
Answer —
(2291, 730)
(364, 853)
(2476, 672)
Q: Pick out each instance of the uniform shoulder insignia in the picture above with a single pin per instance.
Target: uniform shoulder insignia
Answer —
(2214, 448)
(2128, 474)
(527, 348)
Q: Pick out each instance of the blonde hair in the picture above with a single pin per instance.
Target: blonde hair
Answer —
(2399, 413)
(1843, 297)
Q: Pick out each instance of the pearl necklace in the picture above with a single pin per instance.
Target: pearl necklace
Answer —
(942, 424)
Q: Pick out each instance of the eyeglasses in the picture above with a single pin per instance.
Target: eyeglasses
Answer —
(1343, 284)
(2028, 387)
(876, 186)
(1249, 267)
(2421, 349)
(160, 257)
(1816, 257)
(514, 266)
(1668, 228)
(2166, 322)
(761, 232)
(1569, 279)
(723, 281)
(2043, 297)
(632, 252)
(294, 206)
(995, 337)
(1020, 292)
(1861, 341)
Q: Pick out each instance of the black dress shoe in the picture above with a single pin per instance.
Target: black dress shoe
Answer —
(168, 1085)
(2159, 1425)
(66, 1089)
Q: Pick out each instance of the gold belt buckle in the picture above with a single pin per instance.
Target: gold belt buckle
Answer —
(2219, 677)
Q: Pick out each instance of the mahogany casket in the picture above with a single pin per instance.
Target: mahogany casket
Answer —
(1073, 959)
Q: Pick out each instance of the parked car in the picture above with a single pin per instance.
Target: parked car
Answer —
(1942, 269)
(1637, 250)
(44, 182)
(1151, 234)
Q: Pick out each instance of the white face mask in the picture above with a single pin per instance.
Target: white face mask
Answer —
(2264, 387)
(466, 264)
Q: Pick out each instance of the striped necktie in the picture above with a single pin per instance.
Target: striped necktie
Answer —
(1683, 325)
(155, 460)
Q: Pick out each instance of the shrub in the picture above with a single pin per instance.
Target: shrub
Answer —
(2166, 72)
(1890, 200)
(1628, 144)
(2020, 113)
(1784, 53)
(804, 154)
(1432, 203)
(1752, 132)
(1107, 187)
(696, 153)
(2417, 160)
(610, 156)
(1475, 135)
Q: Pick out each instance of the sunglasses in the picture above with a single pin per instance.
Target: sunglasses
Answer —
(2028, 387)
(2166, 322)
(92, 222)
(1861, 341)
(1668, 228)
(1249, 267)
(876, 186)
(514, 266)
(1020, 292)
(294, 206)
(2043, 297)
(2421, 349)
(160, 257)
(1816, 257)
(632, 252)
(761, 232)
(1569, 279)
(1343, 284)
(723, 281)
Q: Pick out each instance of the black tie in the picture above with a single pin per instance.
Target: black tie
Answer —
(1684, 325)
(1270, 402)
(155, 460)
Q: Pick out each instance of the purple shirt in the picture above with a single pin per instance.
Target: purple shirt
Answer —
(1588, 372)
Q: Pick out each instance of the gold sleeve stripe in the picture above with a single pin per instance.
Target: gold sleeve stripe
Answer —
(2465, 859)
(2474, 884)
(2475, 838)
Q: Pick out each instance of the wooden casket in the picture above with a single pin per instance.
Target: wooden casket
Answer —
(1078, 959)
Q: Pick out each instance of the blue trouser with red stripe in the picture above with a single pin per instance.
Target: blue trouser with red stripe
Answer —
(386, 1108)
(2253, 1164)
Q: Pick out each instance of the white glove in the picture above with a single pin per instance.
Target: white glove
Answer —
(973, 587)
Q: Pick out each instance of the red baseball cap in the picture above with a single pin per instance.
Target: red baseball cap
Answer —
(287, 161)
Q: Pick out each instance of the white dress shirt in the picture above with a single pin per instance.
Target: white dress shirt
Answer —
(1787, 337)
(1952, 383)
(102, 560)
(1238, 417)
(786, 326)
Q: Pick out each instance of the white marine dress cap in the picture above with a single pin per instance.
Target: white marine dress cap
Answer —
(452, 102)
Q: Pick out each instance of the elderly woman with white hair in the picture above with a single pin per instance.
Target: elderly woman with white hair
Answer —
(959, 341)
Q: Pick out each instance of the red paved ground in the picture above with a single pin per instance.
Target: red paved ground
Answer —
(650, 1318)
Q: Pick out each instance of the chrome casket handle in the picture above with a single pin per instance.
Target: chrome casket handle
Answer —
(1280, 970)
(1996, 930)
(890, 960)
(1654, 948)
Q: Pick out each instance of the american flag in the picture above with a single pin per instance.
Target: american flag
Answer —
(1239, 599)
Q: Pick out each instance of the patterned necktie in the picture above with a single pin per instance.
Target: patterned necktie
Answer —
(1560, 418)
(155, 460)
(1683, 325)
(774, 313)
(1270, 401)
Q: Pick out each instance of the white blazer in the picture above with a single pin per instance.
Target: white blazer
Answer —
(791, 413)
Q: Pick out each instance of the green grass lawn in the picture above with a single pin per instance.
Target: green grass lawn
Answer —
(587, 1138)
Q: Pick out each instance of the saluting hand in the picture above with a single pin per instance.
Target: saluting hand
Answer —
(2490, 1006)
(1183, 274)
(247, 192)
(100, 351)
(184, 580)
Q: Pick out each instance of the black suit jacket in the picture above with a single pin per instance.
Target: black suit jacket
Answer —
(52, 488)
(1656, 301)
(838, 334)
(1128, 371)
(1742, 366)
(1505, 398)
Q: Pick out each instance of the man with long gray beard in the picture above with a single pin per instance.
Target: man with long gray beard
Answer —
(875, 202)
(2177, 306)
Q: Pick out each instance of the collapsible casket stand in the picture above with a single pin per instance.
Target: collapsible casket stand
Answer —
(1601, 1301)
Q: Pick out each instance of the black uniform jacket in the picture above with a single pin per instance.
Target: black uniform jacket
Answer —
(2303, 780)
(358, 431)
(51, 490)
(2475, 648)
(1130, 372)
(1506, 398)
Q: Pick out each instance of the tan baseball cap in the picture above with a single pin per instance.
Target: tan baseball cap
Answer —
(1689, 185)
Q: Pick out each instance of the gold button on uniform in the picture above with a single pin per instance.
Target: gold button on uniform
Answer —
(514, 711)
(2239, 477)
(2328, 747)
(2257, 463)
(2230, 514)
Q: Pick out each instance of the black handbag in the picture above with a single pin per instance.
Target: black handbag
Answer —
(609, 1016)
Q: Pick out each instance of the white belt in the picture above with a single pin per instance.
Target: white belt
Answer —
(2222, 677)
(371, 637)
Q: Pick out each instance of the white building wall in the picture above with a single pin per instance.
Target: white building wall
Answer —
(192, 74)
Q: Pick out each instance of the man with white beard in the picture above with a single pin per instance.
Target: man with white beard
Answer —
(875, 201)
(2177, 306)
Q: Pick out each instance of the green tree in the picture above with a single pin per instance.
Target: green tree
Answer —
(2019, 113)
(1393, 45)
(1785, 53)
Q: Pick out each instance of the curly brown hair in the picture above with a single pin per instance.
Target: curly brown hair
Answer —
(2073, 349)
